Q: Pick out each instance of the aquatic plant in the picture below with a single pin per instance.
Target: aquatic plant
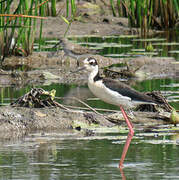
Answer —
(70, 20)
(71, 4)
(158, 14)
(53, 7)
(18, 21)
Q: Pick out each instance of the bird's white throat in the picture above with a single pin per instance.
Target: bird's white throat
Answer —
(94, 72)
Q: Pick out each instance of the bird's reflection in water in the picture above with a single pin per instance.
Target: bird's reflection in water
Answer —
(124, 152)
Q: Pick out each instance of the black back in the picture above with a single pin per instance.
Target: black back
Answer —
(126, 90)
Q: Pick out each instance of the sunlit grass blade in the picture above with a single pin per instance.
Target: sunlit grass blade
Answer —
(113, 7)
(176, 5)
(67, 8)
(73, 8)
(65, 20)
(119, 7)
(53, 7)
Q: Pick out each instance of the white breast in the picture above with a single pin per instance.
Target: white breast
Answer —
(109, 96)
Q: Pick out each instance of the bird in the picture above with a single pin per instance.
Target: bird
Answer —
(114, 92)
(74, 50)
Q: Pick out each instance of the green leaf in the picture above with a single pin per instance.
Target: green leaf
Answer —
(66, 20)
(174, 117)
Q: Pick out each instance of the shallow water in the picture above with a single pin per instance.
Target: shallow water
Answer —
(168, 87)
(60, 156)
(126, 46)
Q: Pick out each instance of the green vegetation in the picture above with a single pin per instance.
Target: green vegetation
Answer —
(158, 14)
(18, 26)
(18, 21)
(73, 14)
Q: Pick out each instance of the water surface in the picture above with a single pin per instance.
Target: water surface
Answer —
(58, 157)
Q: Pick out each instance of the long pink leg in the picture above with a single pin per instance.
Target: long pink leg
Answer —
(129, 124)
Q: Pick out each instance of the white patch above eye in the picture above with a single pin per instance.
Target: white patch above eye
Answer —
(92, 61)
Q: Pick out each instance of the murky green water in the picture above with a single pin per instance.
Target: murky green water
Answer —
(164, 45)
(168, 87)
(65, 156)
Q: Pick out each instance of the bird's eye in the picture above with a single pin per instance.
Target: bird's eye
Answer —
(91, 63)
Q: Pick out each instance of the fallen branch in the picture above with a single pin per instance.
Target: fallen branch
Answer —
(80, 101)
(97, 109)
(113, 120)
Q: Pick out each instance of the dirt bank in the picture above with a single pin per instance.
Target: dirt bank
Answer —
(91, 19)
(19, 121)
(58, 69)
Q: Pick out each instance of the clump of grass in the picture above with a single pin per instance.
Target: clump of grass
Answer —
(18, 21)
(18, 26)
(158, 14)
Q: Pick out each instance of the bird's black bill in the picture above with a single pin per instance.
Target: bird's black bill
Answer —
(55, 46)
(78, 70)
(58, 43)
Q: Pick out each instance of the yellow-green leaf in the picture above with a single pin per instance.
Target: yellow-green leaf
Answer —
(174, 117)
(66, 20)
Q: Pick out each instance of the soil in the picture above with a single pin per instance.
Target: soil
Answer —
(40, 68)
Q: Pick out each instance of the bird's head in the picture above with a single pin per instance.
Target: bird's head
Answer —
(90, 64)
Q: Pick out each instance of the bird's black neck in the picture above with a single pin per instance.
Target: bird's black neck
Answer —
(97, 77)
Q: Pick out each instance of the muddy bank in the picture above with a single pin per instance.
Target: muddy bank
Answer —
(55, 27)
(41, 69)
(91, 19)
(19, 121)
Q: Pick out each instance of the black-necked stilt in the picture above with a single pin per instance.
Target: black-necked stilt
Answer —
(114, 92)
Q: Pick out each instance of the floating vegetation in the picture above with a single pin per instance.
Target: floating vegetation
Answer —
(143, 53)
(149, 39)
(174, 51)
(166, 44)
(138, 50)
(103, 45)
(116, 55)
(124, 36)
(171, 85)
(119, 45)
(143, 50)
